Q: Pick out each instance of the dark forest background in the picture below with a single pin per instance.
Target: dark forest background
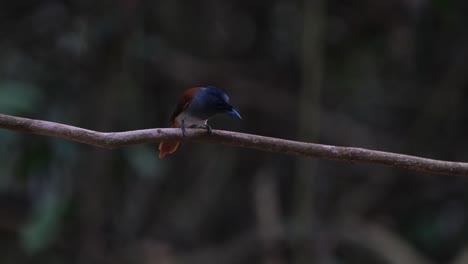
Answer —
(389, 75)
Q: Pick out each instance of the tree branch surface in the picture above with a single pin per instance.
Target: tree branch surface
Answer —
(269, 144)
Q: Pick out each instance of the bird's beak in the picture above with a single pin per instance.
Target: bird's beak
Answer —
(234, 113)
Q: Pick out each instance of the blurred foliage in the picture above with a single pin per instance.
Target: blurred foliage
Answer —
(45, 223)
(18, 98)
(388, 75)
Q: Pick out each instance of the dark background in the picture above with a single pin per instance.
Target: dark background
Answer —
(389, 75)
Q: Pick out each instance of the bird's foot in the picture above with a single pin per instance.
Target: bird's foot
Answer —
(182, 127)
(209, 129)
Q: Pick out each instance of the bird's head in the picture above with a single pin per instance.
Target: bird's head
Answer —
(209, 101)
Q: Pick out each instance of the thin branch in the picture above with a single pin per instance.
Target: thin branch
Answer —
(269, 144)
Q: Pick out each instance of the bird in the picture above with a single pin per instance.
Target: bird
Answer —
(195, 107)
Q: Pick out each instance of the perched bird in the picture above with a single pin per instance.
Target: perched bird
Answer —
(195, 107)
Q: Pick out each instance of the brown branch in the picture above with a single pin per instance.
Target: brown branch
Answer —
(269, 144)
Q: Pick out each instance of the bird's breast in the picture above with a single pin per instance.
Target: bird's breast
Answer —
(189, 120)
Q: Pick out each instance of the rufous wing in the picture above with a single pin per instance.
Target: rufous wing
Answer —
(184, 101)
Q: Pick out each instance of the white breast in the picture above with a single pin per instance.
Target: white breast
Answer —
(189, 121)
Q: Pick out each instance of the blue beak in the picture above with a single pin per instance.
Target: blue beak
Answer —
(234, 113)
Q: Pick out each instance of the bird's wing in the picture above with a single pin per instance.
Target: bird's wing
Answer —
(183, 102)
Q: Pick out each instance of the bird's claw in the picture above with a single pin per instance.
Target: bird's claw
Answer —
(182, 127)
(209, 129)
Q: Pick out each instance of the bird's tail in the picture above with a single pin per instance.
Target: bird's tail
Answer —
(167, 147)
